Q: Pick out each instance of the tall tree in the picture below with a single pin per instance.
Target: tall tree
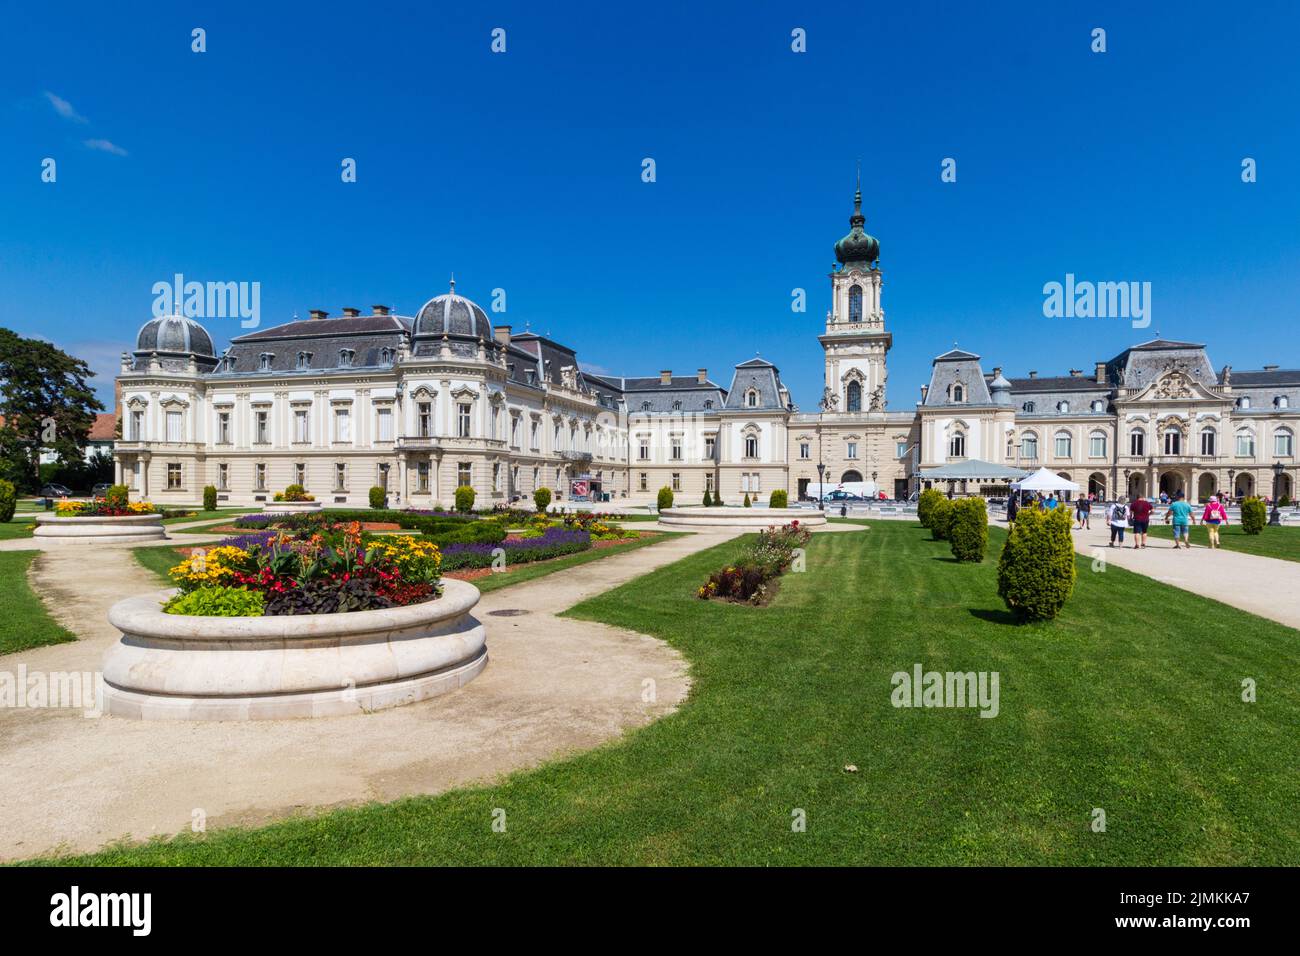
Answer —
(46, 403)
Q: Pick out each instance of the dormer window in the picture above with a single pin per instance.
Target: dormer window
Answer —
(708, 403)
(677, 406)
(958, 393)
(304, 360)
(1243, 402)
(386, 357)
(1280, 402)
(264, 361)
(1099, 406)
(751, 398)
(1063, 407)
(645, 406)
(345, 358)
(1028, 408)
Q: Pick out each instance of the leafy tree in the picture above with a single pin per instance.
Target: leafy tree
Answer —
(465, 498)
(542, 499)
(8, 501)
(47, 402)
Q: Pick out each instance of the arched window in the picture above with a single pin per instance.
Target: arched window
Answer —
(1063, 407)
(1098, 406)
(1283, 443)
(751, 446)
(957, 445)
(853, 397)
(1028, 408)
(1280, 401)
(1137, 443)
(1064, 446)
(1209, 438)
(855, 304)
(1243, 401)
(1245, 444)
(1029, 447)
(958, 393)
(1173, 441)
(751, 398)
(1097, 445)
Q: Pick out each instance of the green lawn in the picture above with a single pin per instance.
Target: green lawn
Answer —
(209, 515)
(16, 529)
(1282, 542)
(1129, 702)
(158, 560)
(519, 573)
(24, 622)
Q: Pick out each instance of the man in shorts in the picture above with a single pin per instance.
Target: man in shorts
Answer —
(1141, 515)
(1180, 513)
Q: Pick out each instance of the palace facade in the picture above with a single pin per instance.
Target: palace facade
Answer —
(419, 405)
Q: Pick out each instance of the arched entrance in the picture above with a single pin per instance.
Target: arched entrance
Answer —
(1245, 486)
(1137, 485)
(850, 476)
(1206, 485)
(1097, 485)
(1065, 495)
(1282, 489)
(1171, 483)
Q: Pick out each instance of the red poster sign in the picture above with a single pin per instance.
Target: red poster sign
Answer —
(579, 488)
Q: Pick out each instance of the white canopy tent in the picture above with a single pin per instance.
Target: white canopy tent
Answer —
(1044, 480)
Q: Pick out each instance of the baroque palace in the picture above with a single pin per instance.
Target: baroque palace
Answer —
(420, 405)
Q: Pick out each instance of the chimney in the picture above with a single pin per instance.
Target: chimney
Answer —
(379, 310)
(701, 375)
(1075, 372)
(351, 313)
(1033, 375)
(502, 334)
(1101, 373)
(997, 370)
(924, 391)
(666, 377)
(319, 314)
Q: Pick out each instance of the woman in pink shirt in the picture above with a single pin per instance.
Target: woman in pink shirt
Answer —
(1214, 515)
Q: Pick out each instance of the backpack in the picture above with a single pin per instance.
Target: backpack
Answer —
(1121, 513)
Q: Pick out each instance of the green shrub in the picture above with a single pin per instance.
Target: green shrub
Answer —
(925, 505)
(708, 499)
(778, 499)
(8, 500)
(209, 497)
(377, 496)
(1283, 500)
(665, 498)
(117, 496)
(969, 530)
(1253, 515)
(464, 499)
(941, 516)
(217, 602)
(542, 499)
(748, 504)
(1036, 571)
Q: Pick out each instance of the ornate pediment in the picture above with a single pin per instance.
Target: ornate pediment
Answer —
(1175, 384)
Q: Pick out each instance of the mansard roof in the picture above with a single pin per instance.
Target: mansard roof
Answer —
(321, 328)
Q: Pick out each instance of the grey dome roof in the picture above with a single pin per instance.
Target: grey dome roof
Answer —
(1001, 390)
(452, 315)
(176, 334)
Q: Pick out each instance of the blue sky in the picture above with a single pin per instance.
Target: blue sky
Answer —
(522, 171)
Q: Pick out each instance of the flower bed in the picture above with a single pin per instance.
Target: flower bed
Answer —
(552, 543)
(102, 508)
(749, 579)
(331, 570)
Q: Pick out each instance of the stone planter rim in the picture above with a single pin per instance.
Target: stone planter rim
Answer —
(143, 617)
(99, 519)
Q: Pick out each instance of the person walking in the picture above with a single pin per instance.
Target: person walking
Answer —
(1013, 505)
(1213, 516)
(1180, 515)
(1050, 503)
(1117, 518)
(1141, 521)
(1082, 512)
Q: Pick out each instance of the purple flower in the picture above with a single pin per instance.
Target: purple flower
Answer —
(246, 541)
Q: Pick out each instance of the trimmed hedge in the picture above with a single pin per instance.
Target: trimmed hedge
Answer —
(941, 516)
(8, 501)
(464, 498)
(778, 499)
(542, 499)
(665, 497)
(925, 505)
(377, 496)
(1036, 571)
(969, 530)
(1253, 515)
(209, 497)
(748, 504)
(708, 499)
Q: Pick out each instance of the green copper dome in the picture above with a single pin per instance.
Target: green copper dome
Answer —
(857, 246)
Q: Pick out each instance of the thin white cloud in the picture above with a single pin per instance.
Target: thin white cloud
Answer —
(64, 108)
(106, 146)
(593, 368)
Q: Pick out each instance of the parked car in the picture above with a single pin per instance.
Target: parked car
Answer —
(101, 489)
(843, 496)
(53, 490)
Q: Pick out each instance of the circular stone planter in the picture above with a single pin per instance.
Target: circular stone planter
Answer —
(126, 529)
(174, 667)
(290, 507)
(738, 517)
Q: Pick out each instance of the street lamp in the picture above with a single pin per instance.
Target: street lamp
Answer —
(1232, 483)
(828, 402)
(1274, 516)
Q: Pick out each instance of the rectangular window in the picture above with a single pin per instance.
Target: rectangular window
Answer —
(223, 477)
(422, 476)
(676, 448)
(462, 419)
(1207, 443)
(710, 446)
(805, 450)
(677, 481)
(851, 450)
(384, 424)
(259, 477)
(174, 426)
(1137, 444)
(514, 431)
(1097, 446)
(301, 426)
(261, 427)
(643, 451)
(137, 426)
(708, 481)
(300, 474)
(1063, 447)
(1282, 444)
(754, 482)
(424, 419)
(343, 424)
(900, 449)
(496, 477)
(1245, 445)
(340, 476)
(223, 428)
(643, 482)
(173, 475)
(532, 438)
(463, 475)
